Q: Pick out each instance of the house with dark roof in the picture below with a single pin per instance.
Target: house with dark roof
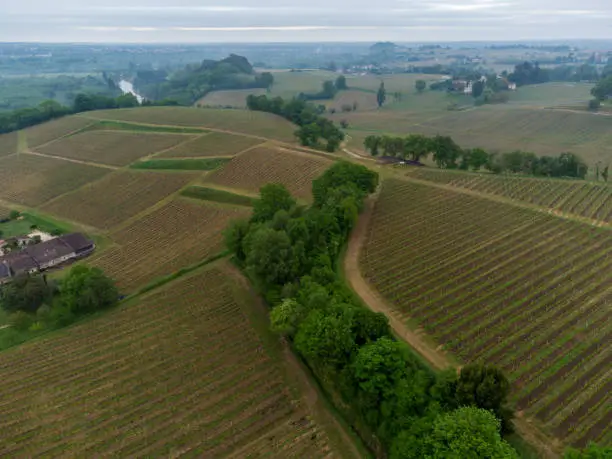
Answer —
(79, 243)
(5, 272)
(20, 263)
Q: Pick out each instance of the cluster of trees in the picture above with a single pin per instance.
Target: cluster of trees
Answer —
(603, 89)
(36, 303)
(194, 81)
(329, 90)
(290, 253)
(448, 155)
(315, 131)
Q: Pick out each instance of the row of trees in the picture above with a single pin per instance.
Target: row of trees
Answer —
(35, 300)
(290, 252)
(448, 155)
(315, 130)
(329, 90)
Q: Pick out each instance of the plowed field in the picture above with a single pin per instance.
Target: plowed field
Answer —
(117, 197)
(34, 180)
(260, 166)
(51, 130)
(181, 373)
(114, 148)
(172, 237)
(525, 291)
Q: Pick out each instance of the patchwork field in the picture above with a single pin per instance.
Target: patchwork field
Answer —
(179, 234)
(8, 143)
(252, 170)
(46, 132)
(581, 198)
(490, 282)
(361, 99)
(181, 373)
(213, 144)
(240, 121)
(117, 197)
(113, 148)
(33, 180)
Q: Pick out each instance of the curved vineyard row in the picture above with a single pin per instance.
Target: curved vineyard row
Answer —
(262, 165)
(585, 199)
(172, 237)
(492, 282)
(180, 373)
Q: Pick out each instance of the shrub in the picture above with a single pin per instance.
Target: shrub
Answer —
(21, 321)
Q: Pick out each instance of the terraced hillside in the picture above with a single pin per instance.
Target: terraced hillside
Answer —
(526, 291)
(590, 200)
(182, 372)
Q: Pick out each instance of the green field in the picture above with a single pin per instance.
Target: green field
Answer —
(208, 164)
(213, 194)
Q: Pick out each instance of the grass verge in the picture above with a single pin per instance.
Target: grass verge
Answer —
(212, 194)
(123, 126)
(198, 164)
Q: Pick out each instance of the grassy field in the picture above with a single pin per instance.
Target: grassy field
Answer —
(117, 197)
(113, 148)
(491, 282)
(252, 170)
(240, 121)
(183, 371)
(46, 132)
(122, 126)
(8, 143)
(213, 194)
(576, 197)
(176, 235)
(191, 164)
(33, 180)
(213, 144)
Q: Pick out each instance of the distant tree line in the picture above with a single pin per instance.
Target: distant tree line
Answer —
(329, 90)
(290, 252)
(315, 130)
(194, 81)
(50, 109)
(448, 155)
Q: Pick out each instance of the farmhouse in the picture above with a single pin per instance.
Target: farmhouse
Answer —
(45, 255)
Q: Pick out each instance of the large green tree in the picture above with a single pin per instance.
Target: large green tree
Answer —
(381, 95)
(25, 293)
(86, 289)
(603, 89)
(272, 198)
(420, 86)
(269, 255)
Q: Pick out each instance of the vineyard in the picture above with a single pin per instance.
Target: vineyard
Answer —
(213, 144)
(181, 372)
(178, 234)
(491, 282)
(242, 121)
(114, 148)
(52, 130)
(117, 197)
(34, 180)
(581, 198)
(252, 170)
(8, 143)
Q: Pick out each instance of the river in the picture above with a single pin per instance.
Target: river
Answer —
(128, 88)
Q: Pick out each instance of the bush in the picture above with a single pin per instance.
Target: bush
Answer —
(21, 321)
(594, 104)
(14, 215)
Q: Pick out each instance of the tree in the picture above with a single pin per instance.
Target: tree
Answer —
(445, 151)
(272, 198)
(592, 451)
(86, 290)
(485, 387)
(285, 317)
(603, 89)
(604, 173)
(234, 236)
(14, 214)
(594, 104)
(467, 432)
(381, 95)
(478, 88)
(341, 83)
(269, 255)
(372, 143)
(420, 86)
(25, 293)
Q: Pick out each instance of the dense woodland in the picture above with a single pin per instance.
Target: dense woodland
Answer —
(290, 252)
(315, 130)
(194, 81)
(448, 155)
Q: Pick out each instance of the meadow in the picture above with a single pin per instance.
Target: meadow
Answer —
(213, 144)
(215, 195)
(501, 284)
(176, 235)
(255, 168)
(180, 372)
(258, 124)
(113, 148)
(117, 197)
(185, 164)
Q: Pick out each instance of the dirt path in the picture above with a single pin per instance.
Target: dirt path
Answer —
(525, 428)
(70, 160)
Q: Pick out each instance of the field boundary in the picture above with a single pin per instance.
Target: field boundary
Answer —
(71, 160)
(420, 341)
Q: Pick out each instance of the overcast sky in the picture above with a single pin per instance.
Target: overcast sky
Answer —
(310, 20)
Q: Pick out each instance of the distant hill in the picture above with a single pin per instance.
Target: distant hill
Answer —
(196, 80)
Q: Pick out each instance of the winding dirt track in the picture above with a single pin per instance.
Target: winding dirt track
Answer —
(545, 446)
